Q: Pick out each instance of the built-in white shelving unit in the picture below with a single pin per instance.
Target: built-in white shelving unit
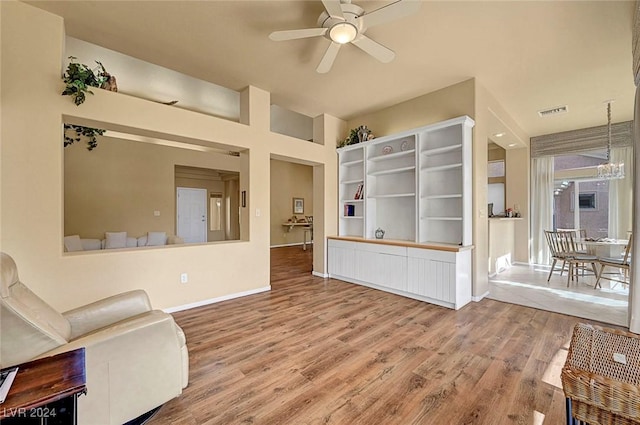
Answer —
(416, 186)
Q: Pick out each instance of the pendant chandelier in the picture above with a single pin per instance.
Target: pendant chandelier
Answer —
(610, 170)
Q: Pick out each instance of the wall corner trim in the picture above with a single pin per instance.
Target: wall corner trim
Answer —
(479, 298)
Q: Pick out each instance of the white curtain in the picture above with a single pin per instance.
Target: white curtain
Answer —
(634, 291)
(541, 208)
(621, 195)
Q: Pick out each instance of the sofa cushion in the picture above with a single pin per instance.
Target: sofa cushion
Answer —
(142, 240)
(156, 238)
(132, 242)
(72, 243)
(115, 240)
(91, 244)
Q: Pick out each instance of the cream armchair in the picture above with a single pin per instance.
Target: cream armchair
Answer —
(136, 357)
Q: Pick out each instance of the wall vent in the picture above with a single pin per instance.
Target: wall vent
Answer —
(553, 111)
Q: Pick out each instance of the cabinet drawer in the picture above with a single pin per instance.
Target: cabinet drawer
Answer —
(335, 243)
(432, 254)
(383, 249)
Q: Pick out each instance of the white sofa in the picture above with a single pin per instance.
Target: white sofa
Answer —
(115, 240)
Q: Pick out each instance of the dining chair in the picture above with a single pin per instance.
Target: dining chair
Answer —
(623, 264)
(558, 249)
(579, 236)
(577, 256)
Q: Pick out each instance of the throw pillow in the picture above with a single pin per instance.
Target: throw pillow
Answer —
(156, 238)
(115, 240)
(72, 243)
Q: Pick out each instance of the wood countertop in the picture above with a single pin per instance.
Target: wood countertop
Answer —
(409, 244)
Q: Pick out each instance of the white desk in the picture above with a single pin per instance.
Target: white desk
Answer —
(308, 229)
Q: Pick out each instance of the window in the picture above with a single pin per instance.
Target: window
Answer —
(496, 169)
(587, 201)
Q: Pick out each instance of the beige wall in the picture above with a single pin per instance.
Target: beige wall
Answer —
(450, 102)
(288, 181)
(518, 195)
(31, 218)
(119, 185)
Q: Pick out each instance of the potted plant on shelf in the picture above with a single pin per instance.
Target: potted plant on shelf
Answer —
(78, 79)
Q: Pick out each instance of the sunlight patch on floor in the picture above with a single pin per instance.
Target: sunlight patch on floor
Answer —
(538, 418)
(566, 294)
(552, 373)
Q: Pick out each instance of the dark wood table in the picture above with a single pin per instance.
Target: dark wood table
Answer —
(45, 391)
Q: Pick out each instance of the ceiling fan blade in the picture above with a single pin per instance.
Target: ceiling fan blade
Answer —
(390, 12)
(327, 60)
(295, 34)
(374, 48)
(333, 8)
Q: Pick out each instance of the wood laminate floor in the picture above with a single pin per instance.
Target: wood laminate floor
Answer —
(316, 351)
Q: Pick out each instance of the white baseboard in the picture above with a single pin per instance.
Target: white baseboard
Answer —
(477, 299)
(216, 300)
(520, 263)
(492, 275)
(318, 274)
(288, 244)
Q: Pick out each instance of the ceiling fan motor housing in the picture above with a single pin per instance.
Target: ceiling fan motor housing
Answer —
(351, 14)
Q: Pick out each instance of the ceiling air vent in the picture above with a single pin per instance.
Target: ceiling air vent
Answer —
(553, 111)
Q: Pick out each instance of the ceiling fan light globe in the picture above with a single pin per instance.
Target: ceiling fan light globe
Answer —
(343, 33)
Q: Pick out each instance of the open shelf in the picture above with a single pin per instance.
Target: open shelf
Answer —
(392, 195)
(443, 218)
(348, 163)
(444, 149)
(351, 217)
(447, 196)
(392, 171)
(351, 201)
(392, 155)
(443, 167)
(352, 181)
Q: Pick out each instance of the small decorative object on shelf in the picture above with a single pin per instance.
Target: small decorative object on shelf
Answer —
(387, 150)
(349, 210)
(356, 135)
(363, 133)
(379, 233)
(359, 191)
(404, 146)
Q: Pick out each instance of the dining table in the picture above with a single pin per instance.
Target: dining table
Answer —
(605, 247)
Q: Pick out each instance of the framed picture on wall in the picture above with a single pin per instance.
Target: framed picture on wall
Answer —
(298, 205)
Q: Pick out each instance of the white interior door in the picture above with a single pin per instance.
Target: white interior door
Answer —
(192, 214)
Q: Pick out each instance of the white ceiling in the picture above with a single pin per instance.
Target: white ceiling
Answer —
(530, 55)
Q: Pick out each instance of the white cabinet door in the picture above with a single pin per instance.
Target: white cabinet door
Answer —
(391, 271)
(341, 259)
(432, 274)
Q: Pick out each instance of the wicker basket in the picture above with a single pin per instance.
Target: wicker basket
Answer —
(603, 391)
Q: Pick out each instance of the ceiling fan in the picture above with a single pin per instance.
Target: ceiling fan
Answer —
(343, 22)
